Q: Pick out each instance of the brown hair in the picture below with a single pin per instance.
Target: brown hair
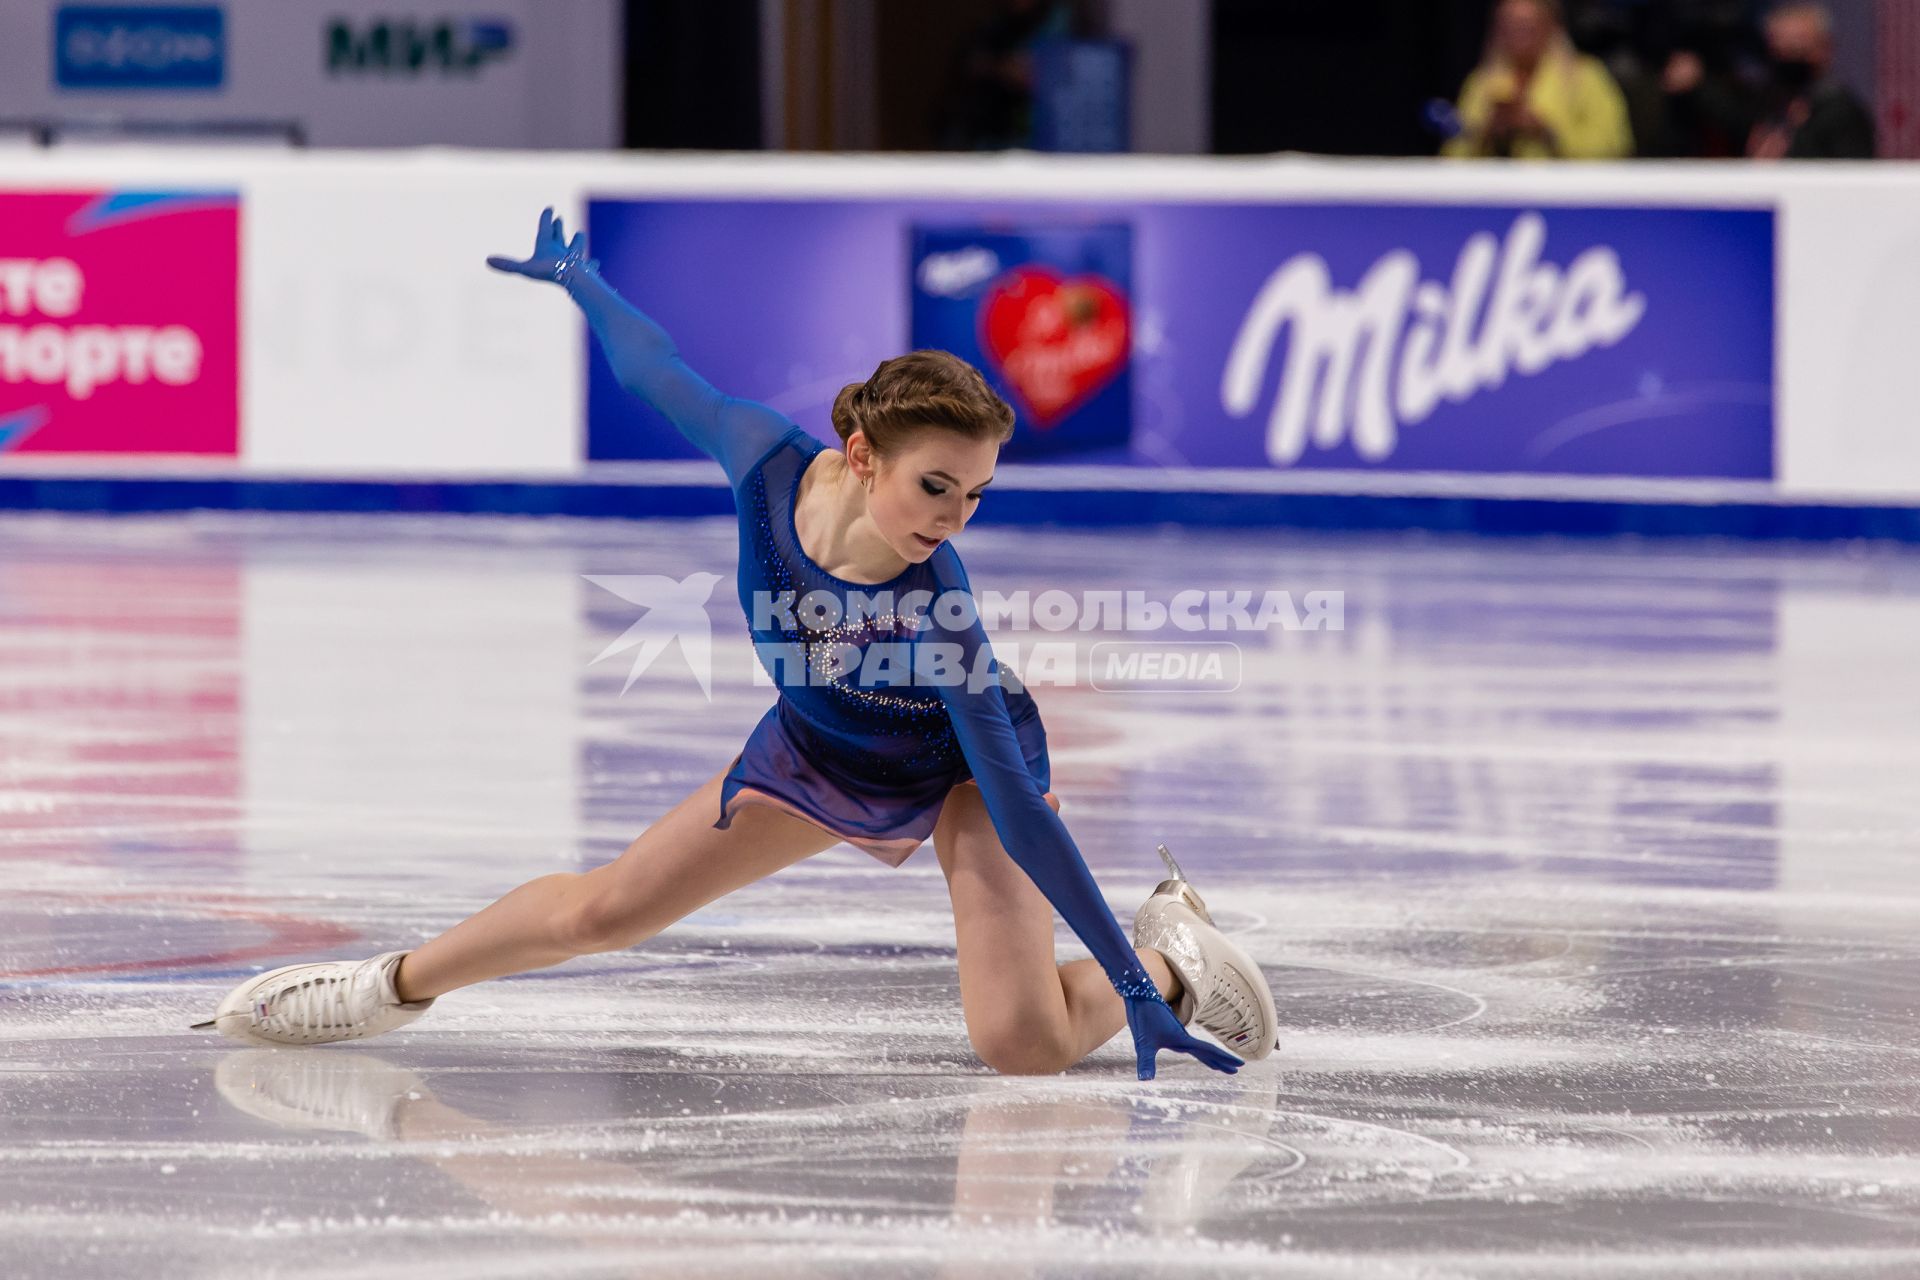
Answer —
(911, 393)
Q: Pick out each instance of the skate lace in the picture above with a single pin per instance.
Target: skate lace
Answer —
(1227, 1011)
(314, 1004)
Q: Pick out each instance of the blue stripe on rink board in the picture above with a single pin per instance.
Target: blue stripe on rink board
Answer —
(1031, 506)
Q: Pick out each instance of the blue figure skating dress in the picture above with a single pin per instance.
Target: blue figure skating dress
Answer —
(866, 749)
(872, 764)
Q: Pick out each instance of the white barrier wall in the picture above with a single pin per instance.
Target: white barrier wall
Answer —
(375, 341)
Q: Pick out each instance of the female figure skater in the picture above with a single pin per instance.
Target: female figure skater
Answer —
(842, 754)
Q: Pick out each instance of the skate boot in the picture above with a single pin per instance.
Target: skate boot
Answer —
(1221, 988)
(317, 1003)
(356, 1092)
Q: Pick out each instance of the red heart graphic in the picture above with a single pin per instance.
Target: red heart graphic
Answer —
(1058, 341)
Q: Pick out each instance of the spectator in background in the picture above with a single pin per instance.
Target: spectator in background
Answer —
(1534, 96)
(1807, 115)
(989, 105)
(1617, 35)
(1681, 65)
(1709, 103)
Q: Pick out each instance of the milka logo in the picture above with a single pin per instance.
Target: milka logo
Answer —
(1385, 354)
(948, 275)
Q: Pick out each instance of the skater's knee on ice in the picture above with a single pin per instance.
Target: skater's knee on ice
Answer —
(1021, 1049)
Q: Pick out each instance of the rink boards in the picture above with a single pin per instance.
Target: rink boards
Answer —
(1647, 348)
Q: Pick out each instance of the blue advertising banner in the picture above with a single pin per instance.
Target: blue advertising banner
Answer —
(139, 47)
(1453, 338)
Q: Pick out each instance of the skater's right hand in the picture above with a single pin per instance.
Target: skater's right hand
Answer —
(1155, 1026)
(552, 254)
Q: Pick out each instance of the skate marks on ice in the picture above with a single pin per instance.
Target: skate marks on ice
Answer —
(741, 1086)
(1582, 874)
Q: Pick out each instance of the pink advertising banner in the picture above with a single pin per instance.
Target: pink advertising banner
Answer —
(119, 322)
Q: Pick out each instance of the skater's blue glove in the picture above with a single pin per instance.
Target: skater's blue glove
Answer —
(554, 258)
(1155, 1026)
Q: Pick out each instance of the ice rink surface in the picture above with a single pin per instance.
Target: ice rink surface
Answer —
(1585, 874)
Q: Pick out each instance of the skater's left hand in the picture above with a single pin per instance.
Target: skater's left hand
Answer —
(1155, 1027)
(552, 251)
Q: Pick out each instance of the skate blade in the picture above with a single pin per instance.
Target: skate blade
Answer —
(1179, 885)
(1173, 868)
(202, 1026)
(1184, 892)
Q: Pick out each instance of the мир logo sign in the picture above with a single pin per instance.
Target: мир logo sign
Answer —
(407, 47)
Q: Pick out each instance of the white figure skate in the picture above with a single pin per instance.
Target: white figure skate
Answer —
(317, 1003)
(1221, 988)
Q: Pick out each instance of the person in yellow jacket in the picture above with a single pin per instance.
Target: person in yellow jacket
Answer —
(1534, 96)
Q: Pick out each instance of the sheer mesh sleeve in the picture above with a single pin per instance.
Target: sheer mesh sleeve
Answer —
(734, 432)
(1029, 829)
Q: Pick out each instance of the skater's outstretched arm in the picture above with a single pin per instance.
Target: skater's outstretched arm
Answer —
(1032, 833)
(736, 433)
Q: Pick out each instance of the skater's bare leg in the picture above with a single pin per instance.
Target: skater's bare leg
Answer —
(676, 866)
(1025, 1014)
